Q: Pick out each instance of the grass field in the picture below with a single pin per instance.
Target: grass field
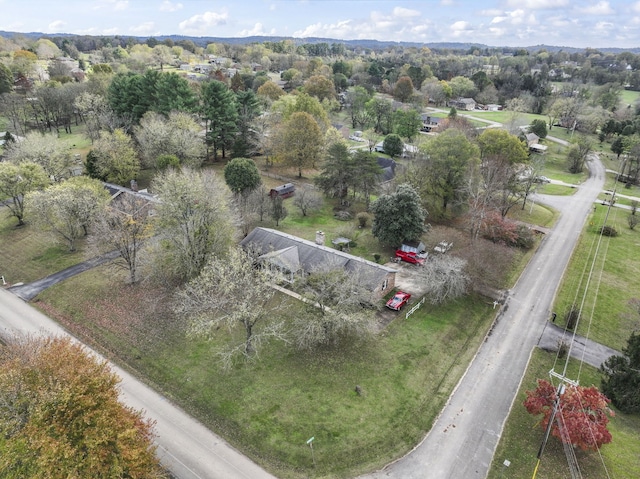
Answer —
(629, 97)
(270, 407)
(607, 315)
(522, 435)
(28, 254)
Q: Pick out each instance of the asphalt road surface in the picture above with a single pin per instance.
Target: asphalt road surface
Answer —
(463, 439)
(185, 447)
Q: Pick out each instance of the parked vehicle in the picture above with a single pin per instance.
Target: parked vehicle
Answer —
(398, 301)
(412, 252)
(411, 257)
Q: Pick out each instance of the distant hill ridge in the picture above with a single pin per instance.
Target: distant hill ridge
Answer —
(373, 44)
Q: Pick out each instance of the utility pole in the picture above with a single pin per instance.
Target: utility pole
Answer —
(556, 406)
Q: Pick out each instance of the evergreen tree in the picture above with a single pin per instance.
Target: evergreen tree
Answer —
(173, 93)
(621, 382)
(220, 110)
(398, 216)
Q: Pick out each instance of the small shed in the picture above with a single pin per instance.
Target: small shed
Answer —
(283, 191)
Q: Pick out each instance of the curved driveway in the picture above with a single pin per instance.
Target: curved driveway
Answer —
(463, 439)
(185, 447)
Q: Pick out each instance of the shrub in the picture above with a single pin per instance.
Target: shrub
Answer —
(608, 231)
(525, 237)
(632, 220)
(563, 349)
(571, 318)
(363, 218)
(166, 161)
(343, 215)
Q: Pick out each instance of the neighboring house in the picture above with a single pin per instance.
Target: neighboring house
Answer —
(388, 167)
(468, 104)
(77, 74)
(533, 143)
(289, 256)
(532, 139)
(202, 68)
(429, 123)
(284, 191)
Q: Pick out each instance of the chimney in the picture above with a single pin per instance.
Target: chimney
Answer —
(320, 238)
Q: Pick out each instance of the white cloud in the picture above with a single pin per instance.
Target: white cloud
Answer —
(604, 26)
(167, 6)
(538, 4)
(143, 28)
(202, 23)
(636, 7)
(600, 8)
(110, 31)
(461, 28)
(341, 29)
(559, 22)
(400, 12)
(117, 5)
(256, 30)
(516, 17)
(490, 12)
(446, 2)
(56, 26)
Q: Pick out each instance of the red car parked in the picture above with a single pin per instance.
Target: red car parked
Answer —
(398, 301)
(410, 257)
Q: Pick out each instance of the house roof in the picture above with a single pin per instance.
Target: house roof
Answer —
(287, 258)
(278, 246)
(388, 167)
(532, 137)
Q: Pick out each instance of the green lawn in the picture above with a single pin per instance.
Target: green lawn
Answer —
(556, 166)
(269, 408)
(607, 316)
(522, 436)
(28, 254)
(535, 213)
(629, 97)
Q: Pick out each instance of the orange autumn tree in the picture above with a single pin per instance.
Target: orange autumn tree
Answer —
(60, 416)
(585, 412)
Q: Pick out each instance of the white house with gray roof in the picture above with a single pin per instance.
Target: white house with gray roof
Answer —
(290, 255)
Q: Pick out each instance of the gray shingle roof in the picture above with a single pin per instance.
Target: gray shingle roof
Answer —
(312, 255)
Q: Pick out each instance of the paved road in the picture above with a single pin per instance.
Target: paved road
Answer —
(31, 290)
(590, 352)
(185, 447)
(464, 437)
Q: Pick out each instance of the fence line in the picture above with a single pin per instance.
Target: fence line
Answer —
(415, 308)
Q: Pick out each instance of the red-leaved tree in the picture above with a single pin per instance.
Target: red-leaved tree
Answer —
(584, 412)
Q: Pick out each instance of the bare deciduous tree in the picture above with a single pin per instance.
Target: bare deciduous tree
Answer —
(124, 227)
(229, 292)
(340, 304)
(194, 222)
(69, 208)
(307, 199)
(445, 278)
(46, 150)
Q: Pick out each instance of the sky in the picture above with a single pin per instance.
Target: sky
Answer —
(570, 23)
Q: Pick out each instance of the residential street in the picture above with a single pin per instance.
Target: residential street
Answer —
(463, 439)
(186, 447)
